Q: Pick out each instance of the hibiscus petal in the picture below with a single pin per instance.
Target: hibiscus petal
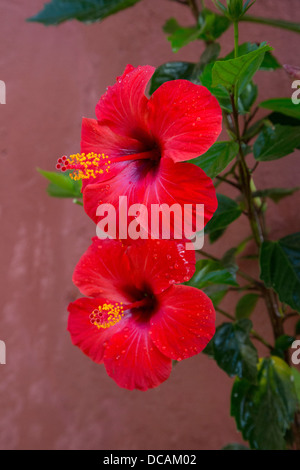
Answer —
(132, 360)
(104, 271)
(160, 263)
(181, 183)
(124, 106)
(100, 139)
(91, 340)
(184, 322)
(186, 119)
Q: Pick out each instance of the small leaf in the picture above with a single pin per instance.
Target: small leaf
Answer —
(276, 194)
(283, 106)
(297, 328)
(219, 92)
(172, 71)
(216, 292)
(276, 142)
(61, 185)
(237, 73)
(181, 37)
(296, 377)
(209, 349)
(269, 62)
(210, 27)
(211, 272)
(280, 268)
(226, 213)
(217, 158)
(246, 305)
(233, 350)
(265, 411)
(247, 98)
(284, 342)
(58, 11)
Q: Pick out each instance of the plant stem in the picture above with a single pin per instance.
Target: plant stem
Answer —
(259, 234)
(236, 39)
(194, 7)
(225, 180)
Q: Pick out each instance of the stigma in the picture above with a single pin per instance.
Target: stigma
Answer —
(107, 315)
(84, 166)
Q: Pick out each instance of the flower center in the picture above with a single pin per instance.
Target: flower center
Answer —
(86, 166)
(109, 314)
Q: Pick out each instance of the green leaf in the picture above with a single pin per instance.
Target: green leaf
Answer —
(247, 98)
(269, 62)
(227, 212)
(276, 194)
(246, 305)
(210, 54)
(283, 119)
(284, 342)
(297, 328)
(233, 350)
(237, 73)
(290, 26)
(217, 158)
(276, 142)
(89, 11)
(265, 411)
(280, 268)
(209, 350)
(211, 272)
(180, 36)
(172, 71)
(216, 292)
(61, 185)
(282, 105)
(296, 377)
(235, 446)
(219, 91)
(210, 27)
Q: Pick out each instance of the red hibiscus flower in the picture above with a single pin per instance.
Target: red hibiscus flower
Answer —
(147, 141)
(136, 320)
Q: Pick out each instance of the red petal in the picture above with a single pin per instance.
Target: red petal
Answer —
(184, 322)
(91, 340)
(186, 119)
(100, 139)
(104, 271)
(160, 263)
(124, 106)
(182, 183)
(132, 360)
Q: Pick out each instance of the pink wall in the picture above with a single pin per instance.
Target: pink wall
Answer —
(52, 396)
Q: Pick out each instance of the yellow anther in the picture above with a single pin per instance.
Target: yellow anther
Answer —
(106, 315)
(86, 166)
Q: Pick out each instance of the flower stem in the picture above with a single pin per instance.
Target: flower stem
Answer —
(236, 39)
